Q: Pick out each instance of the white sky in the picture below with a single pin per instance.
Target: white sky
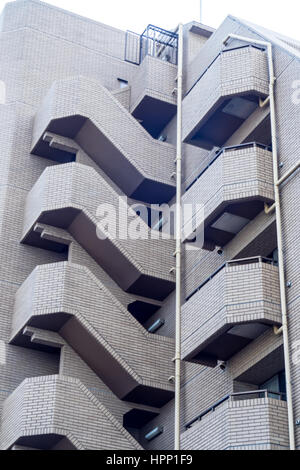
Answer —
(280, 16)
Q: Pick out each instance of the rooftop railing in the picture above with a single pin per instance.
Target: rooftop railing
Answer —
(155, 42)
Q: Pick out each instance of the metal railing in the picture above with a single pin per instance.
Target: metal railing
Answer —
(253, 394)
(160, 43)
(155, 42)
(132, 47)
(258, 394)
(233, 262)
(224, 149)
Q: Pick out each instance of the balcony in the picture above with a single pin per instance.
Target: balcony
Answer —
(153, 93)
(232, 190)
(230, 309)
(60, 413)
(68, 196)
(153, 97)
(85, 111)
(241, 421)
(225, 95)
(68, 299)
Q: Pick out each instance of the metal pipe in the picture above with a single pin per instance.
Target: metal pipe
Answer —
(263, 103)
(288, 174)
(177, 358)
(277, 331)
(269, 209)
(283, 300)
(280, 255)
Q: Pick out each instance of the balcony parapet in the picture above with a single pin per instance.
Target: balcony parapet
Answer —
(153, 94)
(253, 420)
(232, 190)
(224, 96)
(235, 305)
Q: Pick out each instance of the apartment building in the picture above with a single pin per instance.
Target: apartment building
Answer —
(87, 323)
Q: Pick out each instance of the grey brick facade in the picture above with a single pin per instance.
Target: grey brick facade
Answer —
(82, 125)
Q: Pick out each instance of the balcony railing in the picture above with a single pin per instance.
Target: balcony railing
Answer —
(228, 193)
(242, 261)
(254, 394)
(229, 309)
(222, 150)
(224, 51)
(224, 96)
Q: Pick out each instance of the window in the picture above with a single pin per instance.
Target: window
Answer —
(156, 325)
(275, 384)
(154, 433)
(122, 83)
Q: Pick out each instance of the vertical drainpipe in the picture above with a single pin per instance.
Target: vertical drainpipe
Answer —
(177, 358)
(282, 280)
(280, 255)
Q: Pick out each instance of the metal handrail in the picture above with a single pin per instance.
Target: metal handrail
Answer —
(266, 393)
(224, 149)
(219, 54)
(208, 410)
(227, 263)
(212, 408)
(262, 259)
